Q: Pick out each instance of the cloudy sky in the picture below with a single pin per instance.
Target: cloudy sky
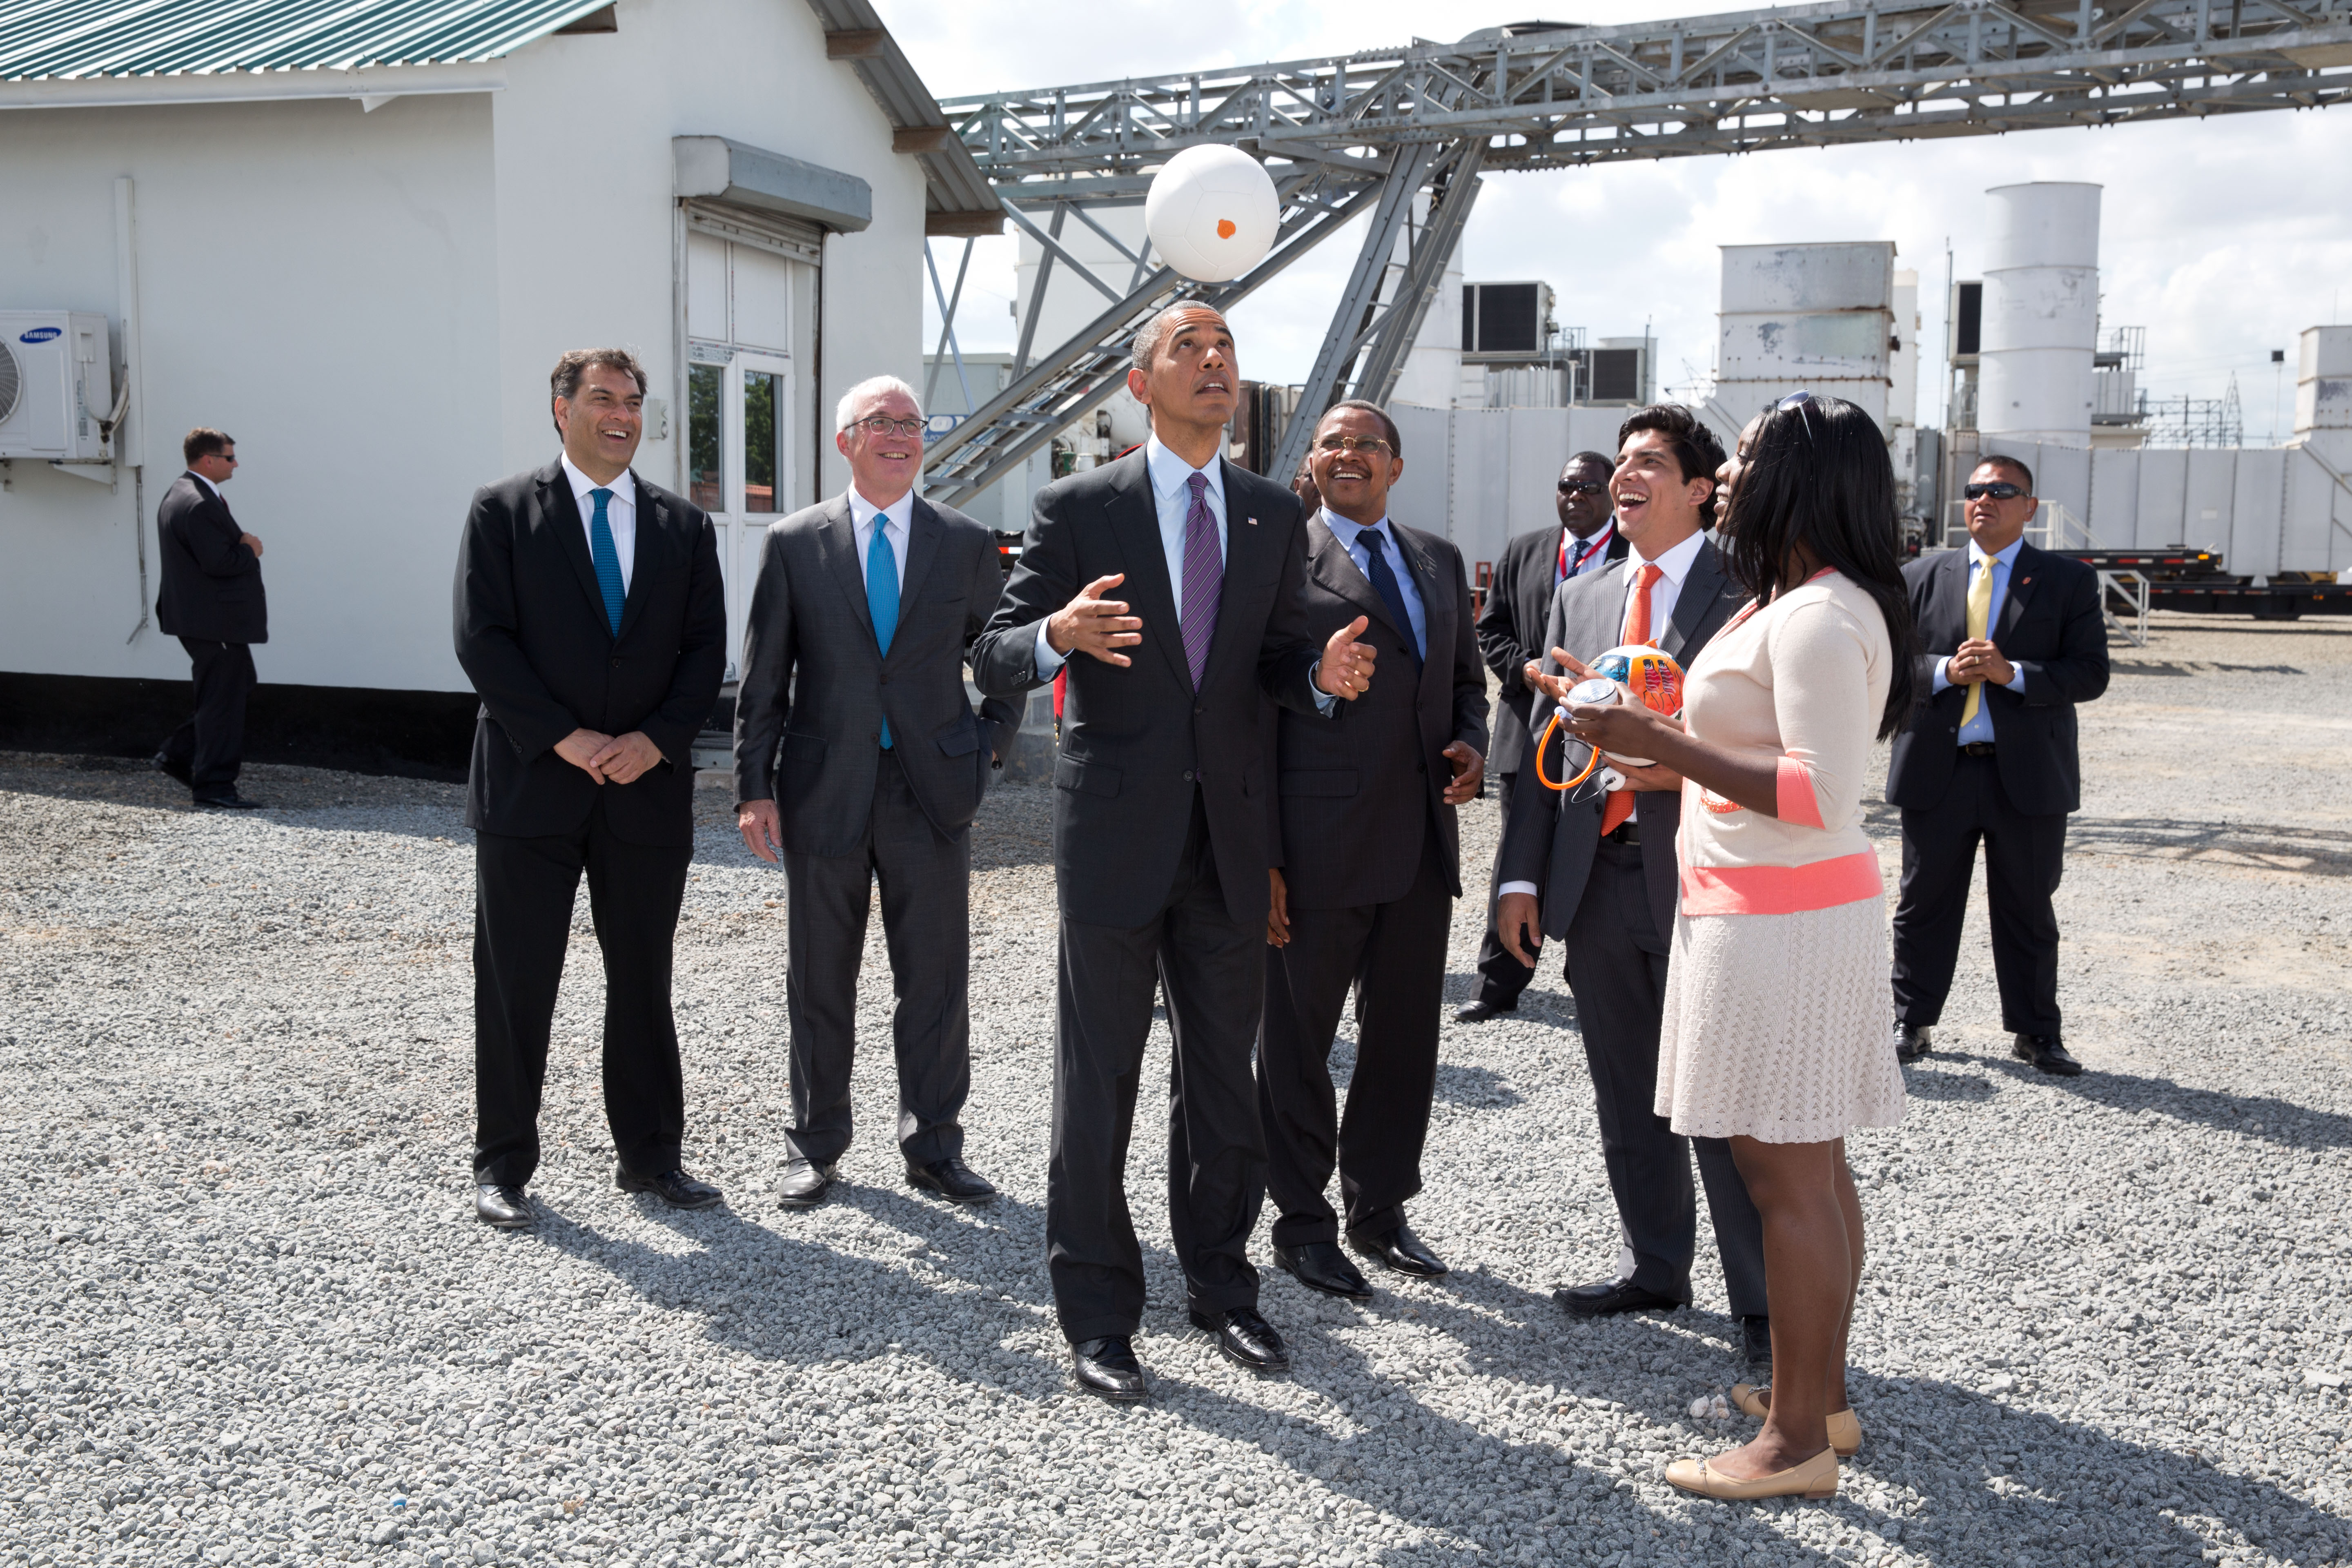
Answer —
(2222, 239)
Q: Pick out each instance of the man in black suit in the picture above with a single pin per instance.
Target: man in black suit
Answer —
(1598, 870)
(853, 665)
(1510, 632)
(1162, 814)
(592, 619)
(2014, 639)
(212, 601)
(1371, 864)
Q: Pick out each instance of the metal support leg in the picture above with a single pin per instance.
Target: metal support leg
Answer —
(948, 343)
(1423, 272)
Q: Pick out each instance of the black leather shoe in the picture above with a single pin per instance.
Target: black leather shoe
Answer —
(804, 1184)
(1321, 1265)
(952, 1180)
(1400, 1250)
(1755, 1341)
(503, 1206)
(2047, 1053)
(676, 1188)
(1607, 1297)
(1246, 1339)
(1912, 1041)
(228, 800)
(1107, 1368)
(1479, 1012)
(165, 765)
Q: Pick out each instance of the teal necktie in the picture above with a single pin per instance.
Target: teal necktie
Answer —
(608, 560)
(882, 594)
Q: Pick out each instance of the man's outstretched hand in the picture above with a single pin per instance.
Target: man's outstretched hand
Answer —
(1095, 625)
(1346, 668)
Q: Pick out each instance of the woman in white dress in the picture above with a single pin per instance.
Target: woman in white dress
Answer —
(1775, 1028)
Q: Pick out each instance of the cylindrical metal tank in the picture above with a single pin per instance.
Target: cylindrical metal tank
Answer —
(2041, 314)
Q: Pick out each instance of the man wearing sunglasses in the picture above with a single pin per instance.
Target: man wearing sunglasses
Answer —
(1510, 633)
(858, 756)
(2013, 640)
(212, 601)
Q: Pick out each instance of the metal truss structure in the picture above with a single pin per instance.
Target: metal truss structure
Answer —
(1406, 135)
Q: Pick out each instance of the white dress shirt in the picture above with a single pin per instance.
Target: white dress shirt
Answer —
(620, 515)
(896, 519)
(1171, 492)
(2000, 565)
(207, 484)
(1585, 556)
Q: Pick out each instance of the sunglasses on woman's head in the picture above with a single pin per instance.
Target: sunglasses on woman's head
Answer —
(2000, 490)
(1801, 401)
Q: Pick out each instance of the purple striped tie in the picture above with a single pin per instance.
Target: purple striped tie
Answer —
(1205, 579)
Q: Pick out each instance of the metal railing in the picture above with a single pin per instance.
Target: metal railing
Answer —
(2128, 585)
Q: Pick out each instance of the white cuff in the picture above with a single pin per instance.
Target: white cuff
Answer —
(1530, 889)
(2016, 681)
(1050, 659)
(1943, 681)
(1324, 703)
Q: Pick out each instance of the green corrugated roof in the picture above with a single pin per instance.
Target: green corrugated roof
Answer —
(79, 39)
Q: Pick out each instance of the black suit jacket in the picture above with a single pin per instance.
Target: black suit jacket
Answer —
(1136, 740)
(532, 636)
(1510, 627)
(211, 580)
(1550, 836)
(1358, 789)
(2050, 627)
(815, 682)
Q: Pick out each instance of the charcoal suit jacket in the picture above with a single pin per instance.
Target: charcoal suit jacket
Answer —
(211, 580)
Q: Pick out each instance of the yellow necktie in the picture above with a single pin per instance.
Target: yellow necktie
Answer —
(1979, 613)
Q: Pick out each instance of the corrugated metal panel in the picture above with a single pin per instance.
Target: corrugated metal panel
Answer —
(77, 39)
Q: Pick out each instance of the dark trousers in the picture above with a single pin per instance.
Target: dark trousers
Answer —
(1393, 955)
(1211, 970)
(211, 745)
(2024, 856)
(1501, 977)
(523, 891)
(925, 878)
(1617, 972)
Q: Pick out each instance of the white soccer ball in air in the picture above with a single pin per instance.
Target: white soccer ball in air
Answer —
(1212, 213)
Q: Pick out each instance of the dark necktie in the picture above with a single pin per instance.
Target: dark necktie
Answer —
(608, 560)
(1384, 582)
(1204, 580)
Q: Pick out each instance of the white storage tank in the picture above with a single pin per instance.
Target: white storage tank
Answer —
(2040, 322)
(1818, 317)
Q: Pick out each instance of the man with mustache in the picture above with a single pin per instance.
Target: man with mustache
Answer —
(1162, 831)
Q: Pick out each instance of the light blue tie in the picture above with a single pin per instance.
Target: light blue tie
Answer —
(608, 561)
(882, 594)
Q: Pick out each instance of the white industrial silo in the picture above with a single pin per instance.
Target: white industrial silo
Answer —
(2041, 315)
(1820, 317)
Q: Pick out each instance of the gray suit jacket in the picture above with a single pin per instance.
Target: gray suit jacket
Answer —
(1550, 836)
(816, 686)
(1358, 789)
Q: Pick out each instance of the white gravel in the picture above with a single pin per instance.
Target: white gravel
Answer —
(248, 1319)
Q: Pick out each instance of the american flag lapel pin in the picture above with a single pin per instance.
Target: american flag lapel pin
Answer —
(1253, 522)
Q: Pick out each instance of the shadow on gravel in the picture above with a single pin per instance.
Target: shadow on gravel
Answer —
(2261, 1116)
(1928, 1083)
(2319, 851)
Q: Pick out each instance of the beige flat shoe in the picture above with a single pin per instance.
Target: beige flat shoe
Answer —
(1846, 1426)
(1816, 1477)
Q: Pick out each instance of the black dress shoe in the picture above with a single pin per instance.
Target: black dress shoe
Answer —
(1607, 1297)
(169, 766)
(1912, 1041)
(952, 1180)
(1479, 1012)
(1246, 1339)
(1321, 1265)
(228, 800)
(1755, 1341)
(676, 1188)
(804, 1184)
(2046, 1053)
(1400, 1250)
(1107, 1368)
(503, 1206)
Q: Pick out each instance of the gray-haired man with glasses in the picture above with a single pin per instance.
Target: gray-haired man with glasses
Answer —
(858, 756)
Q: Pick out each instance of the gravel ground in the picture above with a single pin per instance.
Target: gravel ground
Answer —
(248, 1319)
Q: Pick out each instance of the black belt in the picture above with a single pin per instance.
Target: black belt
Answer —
(1976, 748)
(1626, 832)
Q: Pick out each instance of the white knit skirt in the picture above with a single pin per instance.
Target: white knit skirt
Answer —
(1778, 1026)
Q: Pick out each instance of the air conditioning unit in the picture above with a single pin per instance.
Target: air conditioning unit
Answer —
(57, 386)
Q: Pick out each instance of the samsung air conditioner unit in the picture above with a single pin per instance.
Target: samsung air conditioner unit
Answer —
(57, 386)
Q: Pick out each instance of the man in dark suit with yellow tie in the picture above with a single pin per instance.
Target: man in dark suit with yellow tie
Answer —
(592, 620)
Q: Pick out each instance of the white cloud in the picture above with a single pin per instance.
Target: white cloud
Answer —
(2224, 237)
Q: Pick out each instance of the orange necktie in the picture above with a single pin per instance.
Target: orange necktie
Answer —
(1620, 804)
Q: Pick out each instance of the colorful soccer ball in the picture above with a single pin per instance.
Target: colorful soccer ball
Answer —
(1635, 673)
(1212, 213)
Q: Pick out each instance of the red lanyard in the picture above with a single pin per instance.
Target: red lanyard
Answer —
(1599, 542)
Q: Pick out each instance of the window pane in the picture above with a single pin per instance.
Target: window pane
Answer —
(761, 432)
(705, 480)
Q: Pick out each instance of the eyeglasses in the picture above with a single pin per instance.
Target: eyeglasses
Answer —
(1372, 444)
(880, 425)
(1582, 487)
(2000, 490)
(1799, 400)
